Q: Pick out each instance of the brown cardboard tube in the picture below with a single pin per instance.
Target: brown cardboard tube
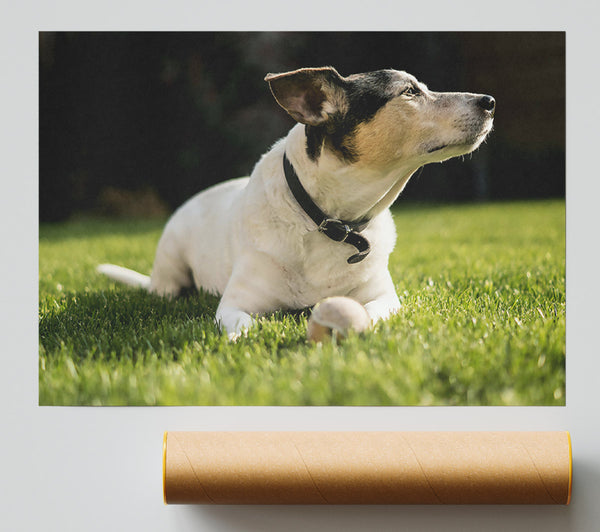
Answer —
(367, 467)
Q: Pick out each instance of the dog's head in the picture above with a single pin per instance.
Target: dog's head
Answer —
(383, 118)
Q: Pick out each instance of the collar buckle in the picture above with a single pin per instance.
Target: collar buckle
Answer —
(334, 229)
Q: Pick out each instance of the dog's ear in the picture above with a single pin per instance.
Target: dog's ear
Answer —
(310, 95)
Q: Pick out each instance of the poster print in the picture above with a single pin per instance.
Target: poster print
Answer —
(133, 125)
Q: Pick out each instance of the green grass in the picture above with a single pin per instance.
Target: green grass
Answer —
(482, 322)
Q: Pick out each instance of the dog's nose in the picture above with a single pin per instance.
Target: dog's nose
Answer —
(487, 102)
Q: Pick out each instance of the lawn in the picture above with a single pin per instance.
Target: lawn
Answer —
(482, 322)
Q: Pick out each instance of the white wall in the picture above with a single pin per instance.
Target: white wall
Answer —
(88, 469)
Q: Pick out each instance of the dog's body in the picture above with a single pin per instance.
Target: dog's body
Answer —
(358, 141)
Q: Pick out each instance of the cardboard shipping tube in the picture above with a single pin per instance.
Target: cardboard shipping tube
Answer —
(367, 467)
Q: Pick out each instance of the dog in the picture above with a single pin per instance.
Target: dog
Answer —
(313, 218)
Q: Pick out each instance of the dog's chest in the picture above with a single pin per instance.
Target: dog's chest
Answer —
(321, 271)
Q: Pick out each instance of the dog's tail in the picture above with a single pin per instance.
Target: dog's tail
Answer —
(124, 275)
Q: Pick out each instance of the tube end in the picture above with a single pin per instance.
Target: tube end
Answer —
(570, 467)
(164, 467)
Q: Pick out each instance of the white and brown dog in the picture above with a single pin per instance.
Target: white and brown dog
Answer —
(313, 219)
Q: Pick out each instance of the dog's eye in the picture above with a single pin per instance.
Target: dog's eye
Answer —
(411, 91)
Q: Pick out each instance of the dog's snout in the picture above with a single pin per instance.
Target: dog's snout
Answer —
(487, 102)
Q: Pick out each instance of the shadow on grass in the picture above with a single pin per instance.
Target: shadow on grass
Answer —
(122, 323)
(127, 323)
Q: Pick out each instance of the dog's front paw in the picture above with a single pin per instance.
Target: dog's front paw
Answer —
(234, 336)
(233, 322)
(382, 309)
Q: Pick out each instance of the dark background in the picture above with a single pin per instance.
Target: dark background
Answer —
(136, 123)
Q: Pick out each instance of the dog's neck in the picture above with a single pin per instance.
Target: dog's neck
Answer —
(344, 190)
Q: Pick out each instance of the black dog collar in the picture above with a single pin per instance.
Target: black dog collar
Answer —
(337, 230)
